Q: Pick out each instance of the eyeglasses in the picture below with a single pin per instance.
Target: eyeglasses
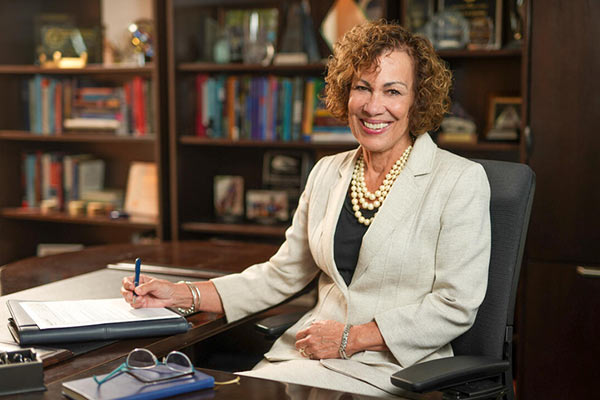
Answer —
(177, 365)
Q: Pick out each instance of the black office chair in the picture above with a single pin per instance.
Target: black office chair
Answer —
(482, 364)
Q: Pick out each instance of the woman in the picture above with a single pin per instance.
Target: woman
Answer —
(397, 232)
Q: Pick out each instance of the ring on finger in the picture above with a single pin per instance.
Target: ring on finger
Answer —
(303, 353)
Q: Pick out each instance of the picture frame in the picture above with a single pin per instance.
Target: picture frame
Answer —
(485, 21)
(287, 169)
(228, 197)
(267, 206)
(504, 119)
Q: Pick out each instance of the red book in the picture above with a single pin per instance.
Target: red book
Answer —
(58, 111)
(200, 127)
(139, 108)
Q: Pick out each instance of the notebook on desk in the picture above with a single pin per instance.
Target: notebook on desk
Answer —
(125, 386)
(72, 321)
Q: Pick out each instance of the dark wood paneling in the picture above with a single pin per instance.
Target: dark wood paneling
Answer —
(564, 117)
(560, 330)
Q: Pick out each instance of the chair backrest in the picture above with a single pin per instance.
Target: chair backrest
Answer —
(512, 187)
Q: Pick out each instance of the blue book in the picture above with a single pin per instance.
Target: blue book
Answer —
(286, 135)
(125, 386)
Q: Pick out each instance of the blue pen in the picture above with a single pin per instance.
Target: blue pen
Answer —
(136, 279)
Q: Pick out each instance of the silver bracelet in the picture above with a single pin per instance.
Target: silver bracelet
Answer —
(192, 308)
(344, 342)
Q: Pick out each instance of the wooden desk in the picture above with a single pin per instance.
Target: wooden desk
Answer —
(71, 274)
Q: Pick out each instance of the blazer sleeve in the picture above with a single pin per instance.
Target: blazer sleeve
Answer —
(266, 284)
(415, 331)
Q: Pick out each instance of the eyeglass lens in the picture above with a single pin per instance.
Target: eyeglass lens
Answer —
(141, 358)
(178, 362)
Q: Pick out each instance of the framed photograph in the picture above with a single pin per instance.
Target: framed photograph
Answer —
(504, 121)
(267, 206)
(285, 169)
(229, 197)
(416, 13)
(485, 21)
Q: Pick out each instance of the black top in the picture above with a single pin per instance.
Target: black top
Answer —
(347, 240)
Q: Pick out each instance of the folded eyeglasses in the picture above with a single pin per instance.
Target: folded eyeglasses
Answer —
(176, 363)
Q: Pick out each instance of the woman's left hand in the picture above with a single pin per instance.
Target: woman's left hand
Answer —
(320, 340)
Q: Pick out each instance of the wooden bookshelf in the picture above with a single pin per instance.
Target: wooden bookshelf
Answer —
(194, 160)
(22, 228)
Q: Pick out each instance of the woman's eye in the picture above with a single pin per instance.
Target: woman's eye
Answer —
(394, 92)
(360, 88)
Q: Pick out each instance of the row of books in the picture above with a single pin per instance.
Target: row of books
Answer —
(263, 108)
(60, 177)
(59, 105)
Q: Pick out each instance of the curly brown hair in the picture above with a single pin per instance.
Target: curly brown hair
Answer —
(359, 49)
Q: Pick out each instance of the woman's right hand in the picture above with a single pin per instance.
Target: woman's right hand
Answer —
(153, 292)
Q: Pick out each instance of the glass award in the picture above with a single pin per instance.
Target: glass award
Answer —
(447, 30)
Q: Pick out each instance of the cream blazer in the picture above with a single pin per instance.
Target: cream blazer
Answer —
(422, 269)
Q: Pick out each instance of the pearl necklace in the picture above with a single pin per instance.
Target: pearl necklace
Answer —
(362, 198)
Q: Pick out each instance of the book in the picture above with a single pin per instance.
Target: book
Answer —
(34, 322)
(125, 386)
(141, 196)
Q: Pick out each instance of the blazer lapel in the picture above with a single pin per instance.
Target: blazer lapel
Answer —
(400, 203)
(335, 202)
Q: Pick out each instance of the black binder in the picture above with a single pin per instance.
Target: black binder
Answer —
(26, 332)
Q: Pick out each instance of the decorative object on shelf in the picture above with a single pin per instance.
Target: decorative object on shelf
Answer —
(447, 30)
(287, 171)
(504, 122)
(417, 14)
(484, 18)
(341, 17)
(267, 206)
(260, 34)
(61, 44)
(229, 197)
(142, 38)
(222, 47)
(285, 168)
(291, 50)
(516, 17)
(141, 196)
(234, 30)
(457, 127)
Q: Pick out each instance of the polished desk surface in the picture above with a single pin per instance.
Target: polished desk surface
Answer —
(68, 275)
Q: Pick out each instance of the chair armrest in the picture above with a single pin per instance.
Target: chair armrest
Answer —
(446, 372)
(274, 326)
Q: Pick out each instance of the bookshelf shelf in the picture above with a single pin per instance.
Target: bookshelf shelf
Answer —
(512, 52)
(60, 217)
(75, 137)
(276, 231)
(92, 69)
(240, 68)
(202, 141)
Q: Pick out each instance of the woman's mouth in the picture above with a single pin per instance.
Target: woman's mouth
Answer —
(374, 127)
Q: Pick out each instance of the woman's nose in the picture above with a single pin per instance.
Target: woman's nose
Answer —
(374, 105)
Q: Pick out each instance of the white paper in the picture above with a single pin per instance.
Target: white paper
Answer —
(73, 313)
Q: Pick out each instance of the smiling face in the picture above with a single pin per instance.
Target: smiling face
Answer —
(379, 104)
